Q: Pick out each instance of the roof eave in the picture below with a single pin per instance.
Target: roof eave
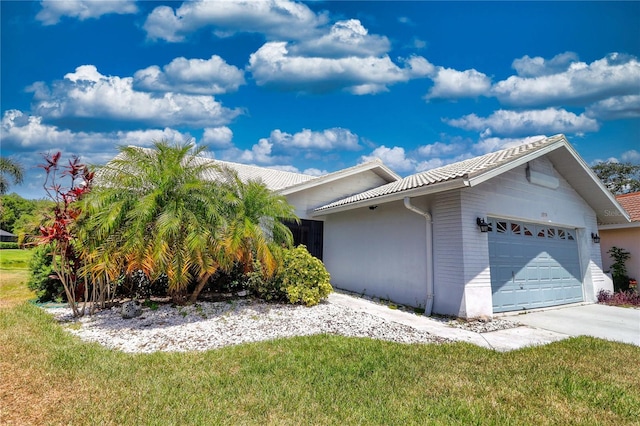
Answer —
(631, 225)
(376, 167)
(621, 212)
(415, 192)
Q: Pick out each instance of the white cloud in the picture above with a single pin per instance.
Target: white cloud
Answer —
(537, 66)
(631, 156)
(273, 66)
(345, 38)
(26, 137)
(217, 137)
(21, 131)
(439, 148)
(487, 145)
(273, 18)
(259, 153)
(197, 76)
(418, 43)
(325, 140)
(580, 84)
(615, 108)
(395, 158)
(430, 164)
(514, 123)
(315, 172)
(88, 94)
(450, 83)
(53, 10)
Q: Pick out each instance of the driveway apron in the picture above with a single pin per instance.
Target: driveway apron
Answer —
(606, 322)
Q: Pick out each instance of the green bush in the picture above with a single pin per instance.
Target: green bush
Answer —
(41, 278)
(302, 277)
(267, 288)
(7, 245)
(619, 269)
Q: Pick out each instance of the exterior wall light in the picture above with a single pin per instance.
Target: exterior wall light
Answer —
(595, 238)
(484, 226)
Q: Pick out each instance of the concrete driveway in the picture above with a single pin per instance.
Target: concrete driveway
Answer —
(605, 322)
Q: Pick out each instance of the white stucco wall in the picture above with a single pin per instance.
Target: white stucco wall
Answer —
(380, 253)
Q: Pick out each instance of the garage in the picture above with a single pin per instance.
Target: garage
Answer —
(533, 265)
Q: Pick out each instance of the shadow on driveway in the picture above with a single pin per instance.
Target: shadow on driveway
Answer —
(606, 322)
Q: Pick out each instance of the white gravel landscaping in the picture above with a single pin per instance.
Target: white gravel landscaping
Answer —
(209, 325)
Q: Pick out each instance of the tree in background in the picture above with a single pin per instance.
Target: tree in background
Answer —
(11, 168)
(619, 178)
(23, 217)
(13, 207)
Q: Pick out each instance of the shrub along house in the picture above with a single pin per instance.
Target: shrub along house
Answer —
(506, 231)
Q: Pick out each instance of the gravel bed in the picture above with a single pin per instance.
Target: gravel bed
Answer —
(475, 325)
(211, 325)
(478, 326)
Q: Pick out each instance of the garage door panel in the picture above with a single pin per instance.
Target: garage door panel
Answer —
(532, 265)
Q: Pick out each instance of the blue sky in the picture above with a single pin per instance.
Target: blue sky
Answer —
(318, 86)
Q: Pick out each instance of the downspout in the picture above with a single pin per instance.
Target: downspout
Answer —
(429, 245)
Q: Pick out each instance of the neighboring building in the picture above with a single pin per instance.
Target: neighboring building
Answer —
(624, 235)
(506, 231)
(7, 237)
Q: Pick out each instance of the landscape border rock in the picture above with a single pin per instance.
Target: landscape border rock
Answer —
(211, 325)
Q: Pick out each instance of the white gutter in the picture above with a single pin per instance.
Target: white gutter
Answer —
(429, 244)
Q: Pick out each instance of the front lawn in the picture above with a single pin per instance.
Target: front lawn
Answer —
(14, 274)
(50, 377)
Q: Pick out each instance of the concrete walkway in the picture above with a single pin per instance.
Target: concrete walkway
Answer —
(501, 340)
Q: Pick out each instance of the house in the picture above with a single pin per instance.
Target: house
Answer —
(506, 231)
(7, 237)
(624, 235)
(510, 230)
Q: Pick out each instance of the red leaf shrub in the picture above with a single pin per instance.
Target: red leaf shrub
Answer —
(620, 298)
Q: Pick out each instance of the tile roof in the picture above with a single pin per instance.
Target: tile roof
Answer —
(631, 203)
(461, 170)
(274, 179)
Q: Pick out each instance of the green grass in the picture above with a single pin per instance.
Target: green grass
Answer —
(50, 377)
(12, 259)
(13, 276)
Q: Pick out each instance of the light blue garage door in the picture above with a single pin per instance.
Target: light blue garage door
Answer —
(533, 266)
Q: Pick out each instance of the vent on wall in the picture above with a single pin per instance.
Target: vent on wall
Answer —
(541, 178)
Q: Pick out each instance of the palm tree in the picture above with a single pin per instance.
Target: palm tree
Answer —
(151, 210)
(255, 229)
(11, 168)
